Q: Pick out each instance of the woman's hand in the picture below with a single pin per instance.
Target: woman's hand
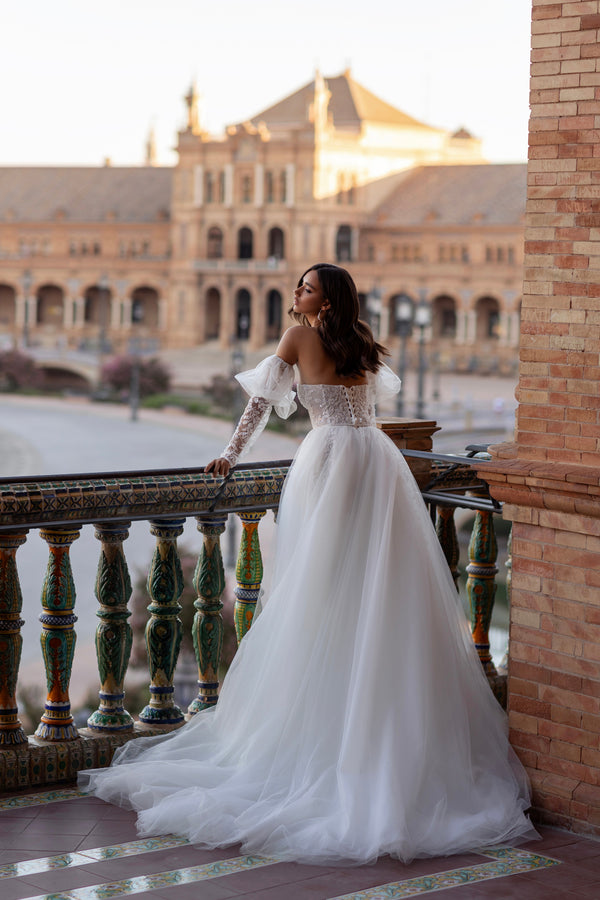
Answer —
(219, 466)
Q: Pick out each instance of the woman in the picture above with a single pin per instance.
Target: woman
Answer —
(355, 720)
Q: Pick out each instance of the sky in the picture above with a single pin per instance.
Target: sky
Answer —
(83, 81)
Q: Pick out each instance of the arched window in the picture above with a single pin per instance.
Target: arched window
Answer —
(213, 314)
(443, 317)
(144, 307)
(7, 305)
(343, 244)
(487, 312)
(245, 244)
(50, 305)
(273, 315)
(214, 245)
(276, 243)
(243, 313)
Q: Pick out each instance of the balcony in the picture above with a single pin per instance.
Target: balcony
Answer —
(83, 848)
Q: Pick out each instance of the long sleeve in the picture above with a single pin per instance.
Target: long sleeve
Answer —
(269, 386)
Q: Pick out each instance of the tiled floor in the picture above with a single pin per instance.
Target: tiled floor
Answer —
(61, 845)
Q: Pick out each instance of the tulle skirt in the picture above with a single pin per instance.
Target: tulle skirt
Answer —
(355, 720)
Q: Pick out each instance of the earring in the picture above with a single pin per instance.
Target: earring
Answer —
(319, 316)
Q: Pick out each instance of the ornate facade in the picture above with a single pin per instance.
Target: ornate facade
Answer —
(211, 249)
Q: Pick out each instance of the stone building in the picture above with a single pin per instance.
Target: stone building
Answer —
(212, 249)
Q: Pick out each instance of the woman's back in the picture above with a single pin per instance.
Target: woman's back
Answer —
(303, 347)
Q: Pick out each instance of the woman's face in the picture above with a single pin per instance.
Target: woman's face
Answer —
(308, 296)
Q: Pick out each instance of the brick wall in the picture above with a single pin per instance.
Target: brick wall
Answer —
(549, 478)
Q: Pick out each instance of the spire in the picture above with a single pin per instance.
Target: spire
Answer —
(151, 147)
(194, 116)
(318, 113)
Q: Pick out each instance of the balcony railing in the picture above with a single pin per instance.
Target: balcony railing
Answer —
(60, 506)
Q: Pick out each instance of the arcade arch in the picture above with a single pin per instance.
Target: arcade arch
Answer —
(50, 305)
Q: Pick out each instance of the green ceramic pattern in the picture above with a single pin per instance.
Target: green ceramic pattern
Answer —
(142, 883)
(207, 628)
(100, 854)
(446, 531)
(481, 584)
(512, 862)
(163, 631)
(113, 634)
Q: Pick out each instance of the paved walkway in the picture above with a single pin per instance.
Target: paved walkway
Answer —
(61, 845)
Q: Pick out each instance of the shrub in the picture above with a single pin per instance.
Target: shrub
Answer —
(17, 371)
(154, 376)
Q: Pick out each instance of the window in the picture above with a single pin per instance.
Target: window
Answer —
(269, 188)
(283, 186)
(245, 244)
(209, 188)
(276, 243)
(221, 187)
(246, 189)
(214, 247)
(343, 244)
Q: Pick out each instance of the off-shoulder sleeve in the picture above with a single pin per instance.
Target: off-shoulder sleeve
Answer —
(386, 383)
(269, 386)
(272, 380)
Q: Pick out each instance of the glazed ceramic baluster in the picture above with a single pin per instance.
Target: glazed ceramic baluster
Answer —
(209, 582)
(113, 634)
(481, 585)
(163, 631)
(446, 531)
(11, 642)
(248, 573)
(58, 635)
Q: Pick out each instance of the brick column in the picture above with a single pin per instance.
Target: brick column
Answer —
(549, 479)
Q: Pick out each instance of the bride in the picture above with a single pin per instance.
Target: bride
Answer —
(355, 720)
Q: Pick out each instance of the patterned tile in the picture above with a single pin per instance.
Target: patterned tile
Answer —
(507, 862)
(21, 802)
(141, 883)
(85, 857)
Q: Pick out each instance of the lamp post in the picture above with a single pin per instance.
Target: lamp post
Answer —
(374, 309)
(103, 285)
(404, 319)
(26, 282)
(422, 321)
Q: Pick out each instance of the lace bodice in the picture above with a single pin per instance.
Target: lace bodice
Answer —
(335, 404)
(270, 386)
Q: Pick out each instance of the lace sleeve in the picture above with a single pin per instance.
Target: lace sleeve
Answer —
(269, 386)
(251, 424)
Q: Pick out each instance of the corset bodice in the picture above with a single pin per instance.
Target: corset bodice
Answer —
(335, 404)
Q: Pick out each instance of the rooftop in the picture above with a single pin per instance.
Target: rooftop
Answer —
(350, 105)
(456, 195)
(85, 194)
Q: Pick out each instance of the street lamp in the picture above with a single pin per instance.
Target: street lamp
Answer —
(422, 321)
(404, 319)
(26, 282)
(374, 309)
(103, 300)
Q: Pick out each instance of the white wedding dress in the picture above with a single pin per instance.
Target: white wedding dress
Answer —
(355, 720)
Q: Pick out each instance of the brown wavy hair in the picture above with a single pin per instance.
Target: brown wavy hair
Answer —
(347, 339)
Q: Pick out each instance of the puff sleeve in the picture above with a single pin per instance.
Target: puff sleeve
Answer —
(269, 386)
